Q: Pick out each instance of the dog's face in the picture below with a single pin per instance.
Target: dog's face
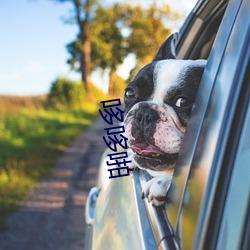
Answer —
(158, 103)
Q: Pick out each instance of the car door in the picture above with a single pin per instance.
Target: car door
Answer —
(211, 162)
(120, 220)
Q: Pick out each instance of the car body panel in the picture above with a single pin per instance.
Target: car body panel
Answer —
(220, 113)
(211, 124)
(237, 202)
(117, 224)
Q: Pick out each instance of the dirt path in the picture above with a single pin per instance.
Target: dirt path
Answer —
(53, 218)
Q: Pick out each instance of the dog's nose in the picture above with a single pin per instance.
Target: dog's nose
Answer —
(145, 118)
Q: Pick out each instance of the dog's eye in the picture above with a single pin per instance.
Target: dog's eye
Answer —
(130, 94)
(183, 102)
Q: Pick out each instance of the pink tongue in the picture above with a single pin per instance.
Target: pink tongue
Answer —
(145, 149)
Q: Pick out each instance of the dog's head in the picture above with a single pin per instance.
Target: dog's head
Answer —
(158, 103)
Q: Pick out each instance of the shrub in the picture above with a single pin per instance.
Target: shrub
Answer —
(65, 92)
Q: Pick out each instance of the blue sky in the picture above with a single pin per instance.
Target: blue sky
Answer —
(32, 45)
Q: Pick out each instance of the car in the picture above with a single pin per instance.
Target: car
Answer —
(208, 202)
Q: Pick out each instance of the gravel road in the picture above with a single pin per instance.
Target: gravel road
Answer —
(53, 218)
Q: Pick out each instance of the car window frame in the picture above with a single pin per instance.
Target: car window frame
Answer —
(196, 26)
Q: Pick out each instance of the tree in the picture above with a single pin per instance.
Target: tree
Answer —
(148, 31)
(83, 15)
(108, 44)
(108, 48)
(119, 30)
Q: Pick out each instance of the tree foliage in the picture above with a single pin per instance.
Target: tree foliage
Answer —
(107, 42)
(147, 31)
(108, 49)
(116, 31)
(66, 93)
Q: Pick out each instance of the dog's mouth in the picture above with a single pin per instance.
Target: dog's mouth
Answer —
(152, 154)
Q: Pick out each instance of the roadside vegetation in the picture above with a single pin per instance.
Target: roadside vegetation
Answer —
(34, 131)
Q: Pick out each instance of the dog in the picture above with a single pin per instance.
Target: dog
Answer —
(158, 102)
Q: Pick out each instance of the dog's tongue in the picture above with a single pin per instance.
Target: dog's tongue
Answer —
(145, 149)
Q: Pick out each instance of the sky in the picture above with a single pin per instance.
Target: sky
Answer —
(32, 44)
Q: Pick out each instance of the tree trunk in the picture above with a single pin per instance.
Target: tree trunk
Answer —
(86, 45)
(86, 57)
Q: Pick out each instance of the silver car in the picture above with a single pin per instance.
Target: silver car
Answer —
(211, 186)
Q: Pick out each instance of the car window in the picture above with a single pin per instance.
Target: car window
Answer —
(199, 31)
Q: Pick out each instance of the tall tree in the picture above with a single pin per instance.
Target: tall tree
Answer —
(119, 30)
(108, 45)
(83, 15)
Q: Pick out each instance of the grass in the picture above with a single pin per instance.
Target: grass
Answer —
(31, 139)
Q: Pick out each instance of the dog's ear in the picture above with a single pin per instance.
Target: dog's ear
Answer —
(167, 49)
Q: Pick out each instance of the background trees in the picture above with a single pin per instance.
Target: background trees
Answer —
(83, 16)
(147, 32)
(108, 34)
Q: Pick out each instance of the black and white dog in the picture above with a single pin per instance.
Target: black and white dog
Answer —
(158, 103)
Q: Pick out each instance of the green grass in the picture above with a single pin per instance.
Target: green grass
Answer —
(31, 139)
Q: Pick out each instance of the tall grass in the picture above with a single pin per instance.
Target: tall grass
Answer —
(31, 139)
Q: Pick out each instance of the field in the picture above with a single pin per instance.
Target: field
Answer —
(32, 136)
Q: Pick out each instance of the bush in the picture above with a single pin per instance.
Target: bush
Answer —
(66, 93)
